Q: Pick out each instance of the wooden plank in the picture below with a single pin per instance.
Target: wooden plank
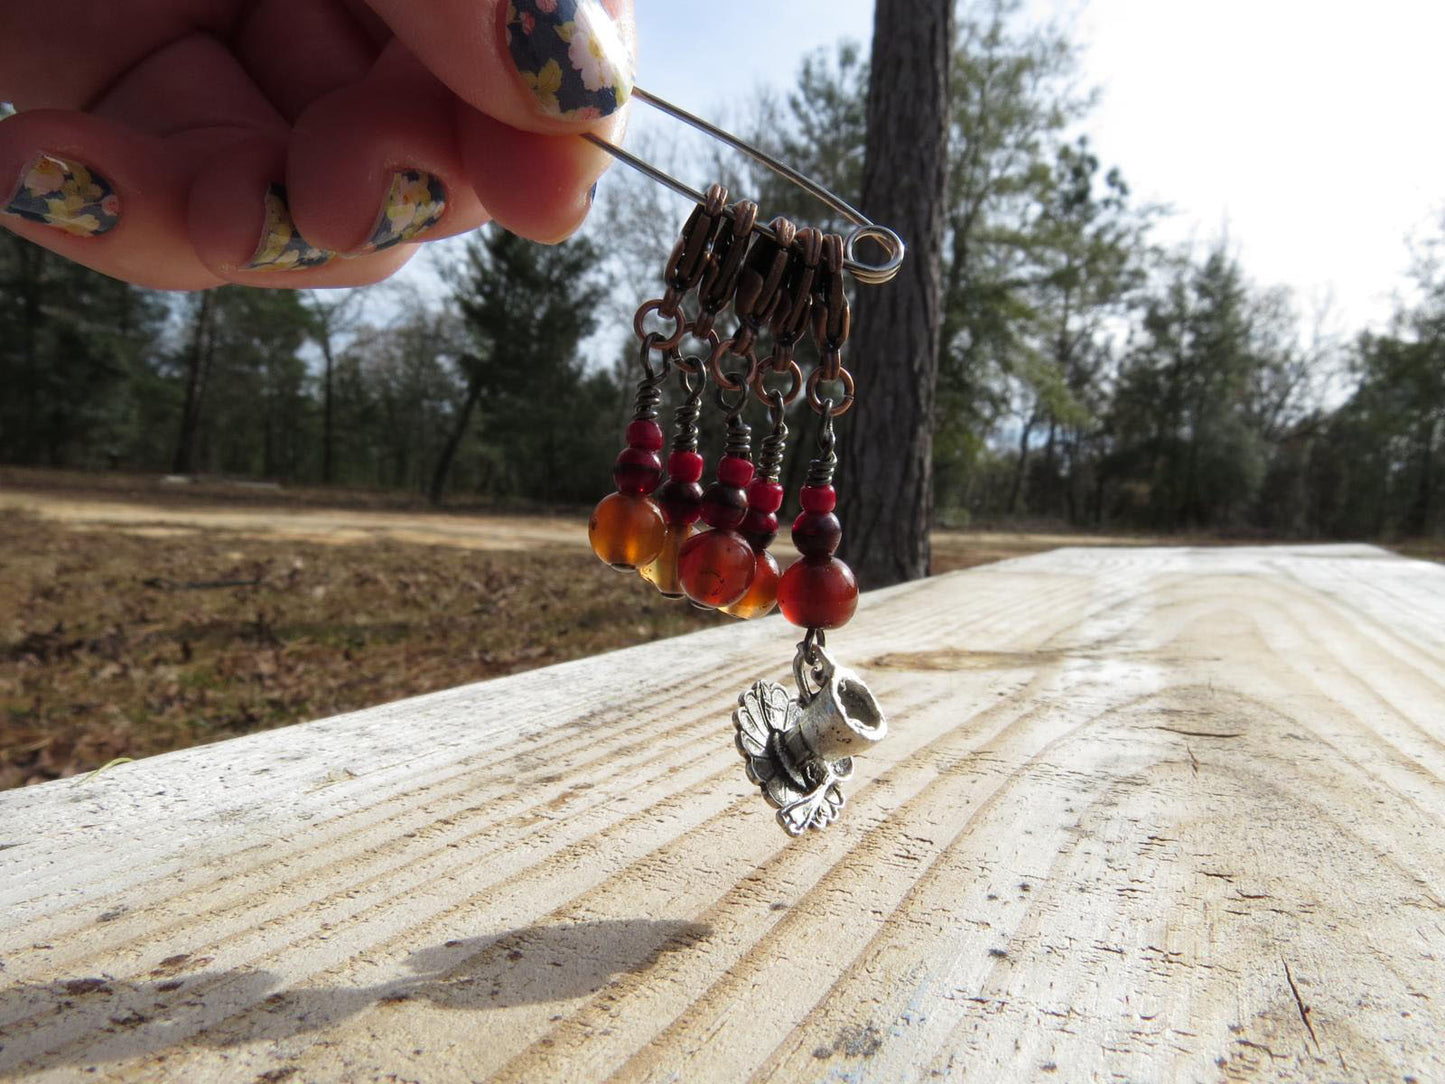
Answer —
(1142, 814)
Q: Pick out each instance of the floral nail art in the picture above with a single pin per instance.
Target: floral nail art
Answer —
(414, 202)
(571, 55)
(65, 195)
(281, 247)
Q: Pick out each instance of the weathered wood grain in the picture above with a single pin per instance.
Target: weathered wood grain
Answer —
(1142, 815)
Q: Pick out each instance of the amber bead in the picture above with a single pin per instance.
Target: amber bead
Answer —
(762, 593)
(626, 530)
(818, 593)
(661, 571)
(716, 568)
(817, 534)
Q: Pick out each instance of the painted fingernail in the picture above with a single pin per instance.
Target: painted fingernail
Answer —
(414, 202)
(281, 247)
(592, 194)
(571, 56)
(65, 195)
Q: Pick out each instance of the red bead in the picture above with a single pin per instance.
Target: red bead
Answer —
(818, 498)
(685, 466)
(681, 502)
(762, 593)
(724, 506)
(817, 534)
(644, 434)
(759, 528)
(626, 530)
(716, 568)
(765, 496)
(734, 470)
(818, 593)
(637, 470)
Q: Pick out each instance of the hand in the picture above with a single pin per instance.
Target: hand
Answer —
(179, 144)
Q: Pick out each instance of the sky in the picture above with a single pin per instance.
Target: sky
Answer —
(1307, 133)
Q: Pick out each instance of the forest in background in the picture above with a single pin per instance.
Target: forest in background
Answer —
(1088, 375)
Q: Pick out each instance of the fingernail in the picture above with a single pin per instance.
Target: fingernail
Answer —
(65, 195)
(281, 247)
(592, 194)
(571, 56)
(414, 202)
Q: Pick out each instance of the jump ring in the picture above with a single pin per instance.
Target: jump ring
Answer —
(679, 321)
(762, 392)
(835, 410)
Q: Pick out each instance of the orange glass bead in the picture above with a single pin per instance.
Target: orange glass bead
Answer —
(626, 530)
(716, 567)
(818, 593)
(762, 593)
(661, 571)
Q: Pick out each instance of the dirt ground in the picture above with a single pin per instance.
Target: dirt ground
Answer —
(138, 616)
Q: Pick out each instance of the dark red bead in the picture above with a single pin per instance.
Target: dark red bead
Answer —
(818, 593)
(644, 434)
(724, 506)
(681, 502)
(759, 528)
(685, 466)
(716, 568)
(637, 471)
(734, 470)
(817, 534)
(765, 496)
(818, 498)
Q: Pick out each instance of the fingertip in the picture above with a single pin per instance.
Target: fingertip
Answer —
(535, 185)
(243, 229)
(100, 194)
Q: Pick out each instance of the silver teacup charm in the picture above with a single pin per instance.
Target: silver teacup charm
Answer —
(799, 748)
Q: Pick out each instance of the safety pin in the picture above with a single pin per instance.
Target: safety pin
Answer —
(870, 273)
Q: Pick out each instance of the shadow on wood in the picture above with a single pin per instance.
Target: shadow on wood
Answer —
(101, 1019)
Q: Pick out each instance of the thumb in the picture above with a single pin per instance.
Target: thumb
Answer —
(540, 65)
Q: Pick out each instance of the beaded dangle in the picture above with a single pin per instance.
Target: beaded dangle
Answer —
(712, 546)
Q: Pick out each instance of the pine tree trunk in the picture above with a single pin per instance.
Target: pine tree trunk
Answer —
(449, 449)
(886, 443)
(196, 364)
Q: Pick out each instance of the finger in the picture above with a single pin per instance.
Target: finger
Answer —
(376, 164)
(243, 231)
(538, 186)
(540, 65)
(101, 194)
(297, 51)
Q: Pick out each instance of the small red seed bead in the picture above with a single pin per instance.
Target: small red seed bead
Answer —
(637, 470)
(724, 506)
(644, 434)
(685, 466)
(817, 534)
(716, 568)
(765, 496)
(818, 593)
(734, 470)
(818, 498)
(681, 502)
(759, 528)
